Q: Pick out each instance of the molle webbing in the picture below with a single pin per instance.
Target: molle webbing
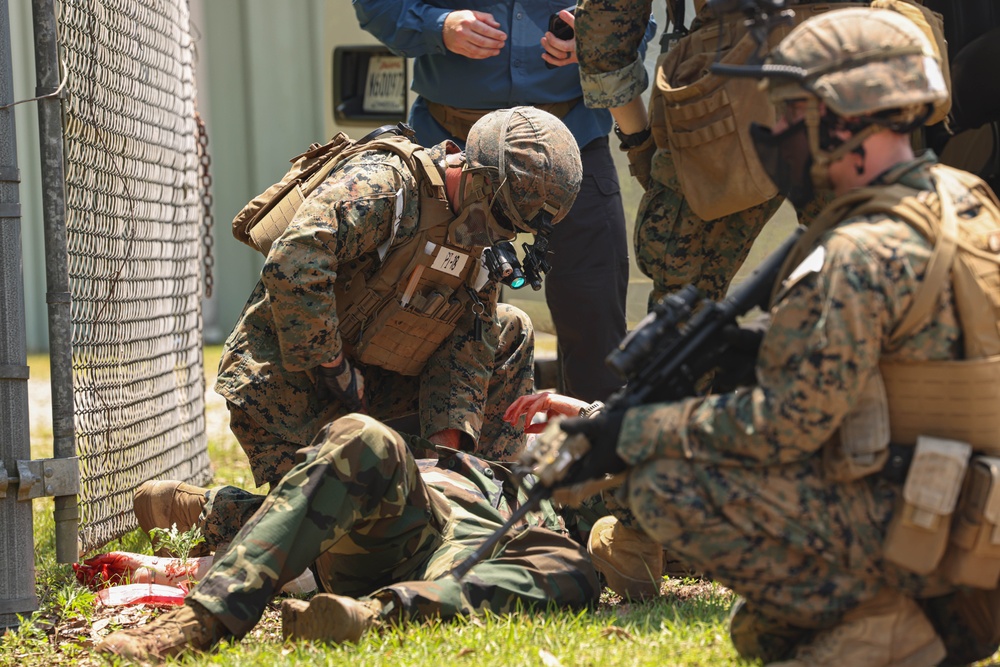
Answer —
(395, 314)
(957, 400)
(954, 399)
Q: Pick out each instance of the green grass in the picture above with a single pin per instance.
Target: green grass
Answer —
(684, 627)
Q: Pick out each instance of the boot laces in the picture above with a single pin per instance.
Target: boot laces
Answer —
(192, 628)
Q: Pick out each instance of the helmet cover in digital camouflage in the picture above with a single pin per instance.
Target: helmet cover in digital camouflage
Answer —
(861, 62)
(537, 159)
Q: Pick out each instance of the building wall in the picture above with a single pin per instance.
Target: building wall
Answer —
(264, 73)
(260, 79)
(26, 136)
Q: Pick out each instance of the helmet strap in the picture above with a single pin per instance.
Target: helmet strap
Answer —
(860, 168)
(822, 159)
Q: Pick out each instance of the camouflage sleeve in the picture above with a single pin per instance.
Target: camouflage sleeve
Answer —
(824, 341)
(348, 215)
(453, 384)
(609, 34)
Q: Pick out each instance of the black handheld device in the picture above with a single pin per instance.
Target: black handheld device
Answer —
(560, 29)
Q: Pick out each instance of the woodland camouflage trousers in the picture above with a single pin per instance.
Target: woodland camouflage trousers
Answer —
(358, 509)
(389, 394)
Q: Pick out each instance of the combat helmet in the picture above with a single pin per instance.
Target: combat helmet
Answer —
(872, 69)
(536, 165)
(860, 62)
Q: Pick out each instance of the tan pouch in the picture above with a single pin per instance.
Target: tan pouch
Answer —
(861, 445)
(949, 399)
(401, 330)
(973, 556)
(704, 119)
(918, 532)
(931, 24)
(402, 338)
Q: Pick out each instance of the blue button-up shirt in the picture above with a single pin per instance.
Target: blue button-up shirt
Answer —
(516, 76)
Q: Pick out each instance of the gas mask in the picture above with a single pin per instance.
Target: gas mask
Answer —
(476, 223)
(798, 160)
(483, 221)
(787, 159)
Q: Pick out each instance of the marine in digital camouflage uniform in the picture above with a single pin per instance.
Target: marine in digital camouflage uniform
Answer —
(269, 369)
(739, 484)
(378, 525)
(290, 326)
(673, 246)
(586, 288)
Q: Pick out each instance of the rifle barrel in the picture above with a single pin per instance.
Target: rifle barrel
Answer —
(535, 497)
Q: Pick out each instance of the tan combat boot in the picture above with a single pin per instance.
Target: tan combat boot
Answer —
(676, 568)
(187, 628)
(630, 561)
(756, 637)
(162, 504)
(888, 631)
(327, 617)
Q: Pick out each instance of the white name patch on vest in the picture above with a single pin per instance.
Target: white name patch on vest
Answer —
(450, 261)
(811, 264)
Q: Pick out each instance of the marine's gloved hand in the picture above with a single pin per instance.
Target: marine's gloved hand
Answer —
(345, 382)
(737, 365)
(601, 431)
(640, 161)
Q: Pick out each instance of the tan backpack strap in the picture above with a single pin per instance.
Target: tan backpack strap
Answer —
(313, 181)
(938, 269)
(431, 170)
(828, 218)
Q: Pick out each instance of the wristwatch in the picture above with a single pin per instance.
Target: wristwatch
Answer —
(592, 409)
(631, 140)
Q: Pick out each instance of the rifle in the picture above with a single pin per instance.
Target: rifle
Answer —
(674, 346)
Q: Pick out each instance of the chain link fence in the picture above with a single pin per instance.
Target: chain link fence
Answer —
(136, 253)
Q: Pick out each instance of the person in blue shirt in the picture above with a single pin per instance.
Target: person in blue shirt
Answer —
(475, 56)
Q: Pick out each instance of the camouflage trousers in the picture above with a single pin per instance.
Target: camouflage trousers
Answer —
(393, 396)
(676, 248)
(801, 550)
(357, 509)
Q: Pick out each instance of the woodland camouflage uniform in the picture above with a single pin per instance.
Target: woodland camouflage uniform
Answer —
(381, 524)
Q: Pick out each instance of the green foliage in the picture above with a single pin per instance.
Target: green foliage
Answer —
(176, 542)
(72, 601)
(29, 636)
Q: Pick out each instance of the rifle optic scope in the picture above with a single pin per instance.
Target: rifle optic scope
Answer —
(653, 330)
